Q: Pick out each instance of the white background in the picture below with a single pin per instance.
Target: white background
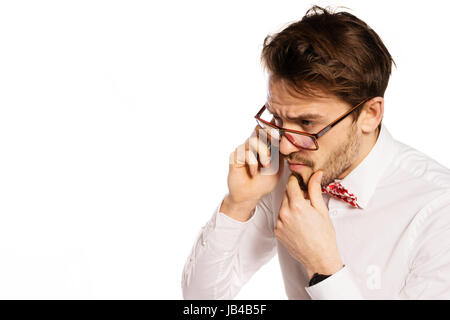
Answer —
(117, 119)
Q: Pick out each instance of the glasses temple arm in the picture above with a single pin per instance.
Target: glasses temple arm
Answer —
(331, 125)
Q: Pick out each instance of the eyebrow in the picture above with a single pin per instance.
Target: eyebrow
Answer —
(305, 116)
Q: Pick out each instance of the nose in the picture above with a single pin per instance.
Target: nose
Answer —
(286, 147)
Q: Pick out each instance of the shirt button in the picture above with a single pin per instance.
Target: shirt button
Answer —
(333, 213)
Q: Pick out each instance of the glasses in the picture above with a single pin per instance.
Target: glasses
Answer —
(300, 139)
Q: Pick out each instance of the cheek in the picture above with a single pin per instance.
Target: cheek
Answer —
(325, 163)
(320, 158)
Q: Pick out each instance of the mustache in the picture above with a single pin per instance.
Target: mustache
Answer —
(301, 160)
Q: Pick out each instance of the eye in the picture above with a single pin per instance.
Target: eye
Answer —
(306, 122)
(278, 121)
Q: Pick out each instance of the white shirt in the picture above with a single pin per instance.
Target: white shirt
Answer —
(396, 246)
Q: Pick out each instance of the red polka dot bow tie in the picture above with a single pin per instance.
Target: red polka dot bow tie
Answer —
(337, 190)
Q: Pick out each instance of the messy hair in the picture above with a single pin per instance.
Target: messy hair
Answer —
(331, 52)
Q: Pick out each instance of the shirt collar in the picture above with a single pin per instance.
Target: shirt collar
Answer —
(363, 180)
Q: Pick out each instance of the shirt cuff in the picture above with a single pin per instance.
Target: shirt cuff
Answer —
(222, 232)
(339, 286)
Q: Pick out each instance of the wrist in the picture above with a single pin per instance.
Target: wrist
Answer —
(326, 269)
(240, 211)
(318, 277)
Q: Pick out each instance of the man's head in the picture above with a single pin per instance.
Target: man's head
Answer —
(325, 64)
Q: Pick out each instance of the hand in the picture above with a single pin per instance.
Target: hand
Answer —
(246, 181)
(306, 228)
(253, 172)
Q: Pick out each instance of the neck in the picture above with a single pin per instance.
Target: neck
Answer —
(367, 143)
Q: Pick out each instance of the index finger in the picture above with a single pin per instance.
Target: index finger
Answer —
(293, 191)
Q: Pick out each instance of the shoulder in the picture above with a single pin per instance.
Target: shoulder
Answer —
(417, 171)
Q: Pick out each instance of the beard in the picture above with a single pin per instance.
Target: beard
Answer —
(338, 161)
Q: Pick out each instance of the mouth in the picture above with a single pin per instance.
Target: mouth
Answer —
(294, 166)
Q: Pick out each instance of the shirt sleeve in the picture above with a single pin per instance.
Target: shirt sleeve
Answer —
(339, 286)
(227, 252)
(429, 271)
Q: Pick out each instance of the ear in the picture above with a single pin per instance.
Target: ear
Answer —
(371, 115)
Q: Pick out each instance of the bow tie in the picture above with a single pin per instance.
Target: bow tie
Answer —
(337, 190)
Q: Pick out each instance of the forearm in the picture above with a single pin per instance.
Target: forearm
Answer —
(209, 272)
(226, 254)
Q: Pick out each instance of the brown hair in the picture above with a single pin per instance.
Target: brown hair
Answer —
(334, 52)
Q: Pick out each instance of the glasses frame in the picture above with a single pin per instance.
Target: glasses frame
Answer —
(314, 136)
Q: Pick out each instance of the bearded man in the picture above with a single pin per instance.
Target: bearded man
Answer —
(351, 212)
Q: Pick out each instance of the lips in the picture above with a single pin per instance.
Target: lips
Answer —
(297, 166)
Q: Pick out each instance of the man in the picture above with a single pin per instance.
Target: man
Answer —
(351, 212)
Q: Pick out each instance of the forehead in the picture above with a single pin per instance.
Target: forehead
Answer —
(281, 95)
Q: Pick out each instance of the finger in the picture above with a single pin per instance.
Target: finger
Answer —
(315, 191)
(293, 191)
(232, 158)
(252, 162)
(278, 227)
(259, 130)
(237, 157)
(260, 142)
(259, 147)
(283, 207)
(241, 158)
(285, 201)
